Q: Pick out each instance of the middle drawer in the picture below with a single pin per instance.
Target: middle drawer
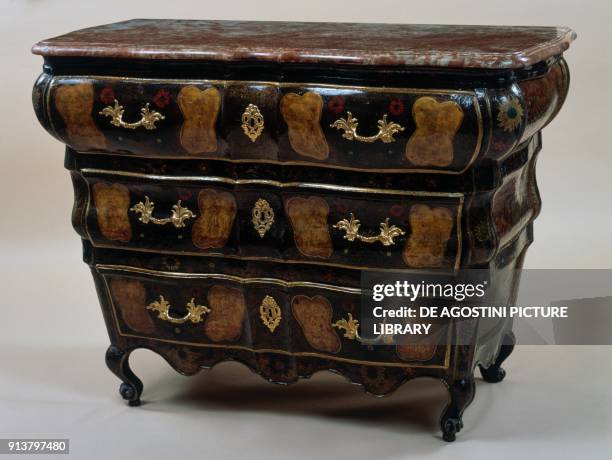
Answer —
(256, 219)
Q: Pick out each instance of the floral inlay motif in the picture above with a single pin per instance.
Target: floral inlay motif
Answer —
(510, 114)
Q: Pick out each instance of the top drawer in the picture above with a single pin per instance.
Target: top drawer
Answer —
(350, 127)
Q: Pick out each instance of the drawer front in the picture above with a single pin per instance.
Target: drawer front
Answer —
(256, 314)
(267, 220)
(380, 129)
(349, 127)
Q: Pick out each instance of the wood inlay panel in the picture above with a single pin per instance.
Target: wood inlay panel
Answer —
(215, 219)
(130, 297)
(416, 352)
(437, 123)
(314, 315)
(75, 104)
(228, 309)
(303, 117)
(431, 229)
(112, 202)
(308, 218)
(200, 109)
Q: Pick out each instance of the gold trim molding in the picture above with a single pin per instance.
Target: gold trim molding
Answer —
(273, 183)
(101, 268)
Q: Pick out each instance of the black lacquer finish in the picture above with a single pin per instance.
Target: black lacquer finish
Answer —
(118, 362)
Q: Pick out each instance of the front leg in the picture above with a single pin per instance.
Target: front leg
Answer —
(117, 361)
(462, 393)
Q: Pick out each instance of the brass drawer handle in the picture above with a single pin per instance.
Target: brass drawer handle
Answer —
(350, 326)
(147, 120)
(179, 215)
(351, 332)
(386, 235)
(194, 312)
(262, 217)
(252, 122)
(385, 133)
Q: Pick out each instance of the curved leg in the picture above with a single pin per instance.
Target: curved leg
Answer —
(117, 361)
(462, 394)
(495, 373)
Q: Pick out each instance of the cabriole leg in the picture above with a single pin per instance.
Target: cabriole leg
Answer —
(462, 393)
(117, 361)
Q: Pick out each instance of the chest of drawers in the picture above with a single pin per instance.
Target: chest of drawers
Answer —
(234, 179)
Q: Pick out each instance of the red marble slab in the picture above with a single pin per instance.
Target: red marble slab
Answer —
(486, 47)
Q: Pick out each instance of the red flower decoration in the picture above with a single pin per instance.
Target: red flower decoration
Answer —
(396, 210)
(499, 146)
(341, 207)
(107, 95)
(336, 104)
(396, 107)
(184, 194)
(162, 98)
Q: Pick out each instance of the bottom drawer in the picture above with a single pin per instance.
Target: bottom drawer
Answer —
(259, 315)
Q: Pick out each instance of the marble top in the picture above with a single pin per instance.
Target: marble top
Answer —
(484, 47)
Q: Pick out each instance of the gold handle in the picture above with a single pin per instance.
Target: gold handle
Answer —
(262, 217)
(194, 312)
(147, 119)
(350, 326)
(252, 122)
(349, 126)
(386, 235)
(351, 331)
(179, 213)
